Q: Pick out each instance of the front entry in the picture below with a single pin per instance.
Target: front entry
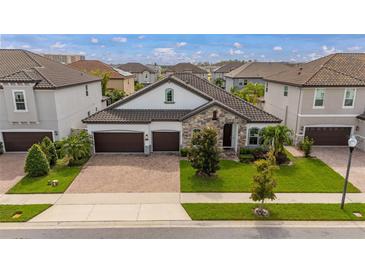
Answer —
(227, 135)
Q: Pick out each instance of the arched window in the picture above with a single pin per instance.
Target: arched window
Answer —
(254, 137)
(169, 95)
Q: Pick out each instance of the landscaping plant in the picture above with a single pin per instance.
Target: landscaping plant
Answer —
(250, 93)
(306, 146)
(184, 152)
(219, 82)
(1, 148)
(115, 94)
(105, 76)
(49, 149)
(138, 86)
(203, 152)
(36, 163)
(77, 148)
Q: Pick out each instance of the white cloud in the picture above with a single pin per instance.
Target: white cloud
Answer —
(58, 45)
(277, 48)
(235, 51)
(141, 37)
(262, 56)
(237, 45)
(354, 48)
(93, 54)
(120, 39)
(82, 53)
(328, 50)
(94, 40)
(181, 44)
(102, 46)
(198, 52)
(313, 55)
(214, 55)
(164, 51)
(25, 46)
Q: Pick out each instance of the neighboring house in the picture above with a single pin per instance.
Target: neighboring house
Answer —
(40, 97)
(323, 99)
(164, 115)
(156, 68)
(186, 68)
(221, 72)
(118, 79)
(253, 72)
(65, 58)
(142, 74)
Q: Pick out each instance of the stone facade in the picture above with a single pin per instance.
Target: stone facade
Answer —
(205, 118)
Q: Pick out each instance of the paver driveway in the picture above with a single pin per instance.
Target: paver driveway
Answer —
(11, 170)
(337, 157)
(128, 173)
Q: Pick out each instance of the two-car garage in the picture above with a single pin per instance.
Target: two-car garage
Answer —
(16, 141)
(329, 136)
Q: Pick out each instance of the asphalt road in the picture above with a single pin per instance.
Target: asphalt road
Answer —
(187, 233)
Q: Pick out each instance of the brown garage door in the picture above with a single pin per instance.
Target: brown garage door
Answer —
(329, 136)
(118, 142)
(165, 141)
(22, 141)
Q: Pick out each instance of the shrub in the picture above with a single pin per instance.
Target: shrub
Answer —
(246, 158)
(306, 146)
(36, 163)
(281, 158)
(58, 147)
(246, 150)
(115, 94)
(203, 151)
(184, 152)
(1, 148)
(49, 149)
(259, 153)
(77, 147)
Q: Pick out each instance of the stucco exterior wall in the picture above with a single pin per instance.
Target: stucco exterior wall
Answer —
(146, 77)
(360, 133)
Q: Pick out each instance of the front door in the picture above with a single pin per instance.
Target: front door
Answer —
(227, 135)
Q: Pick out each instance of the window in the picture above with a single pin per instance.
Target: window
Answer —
(215, 115)
(254, 137)
(286, 89)
(349, 98)
(19, 100)
(87, 90)
(318, 98)
(146, 76)
(267, 87)
(245, 82)
(169, 96)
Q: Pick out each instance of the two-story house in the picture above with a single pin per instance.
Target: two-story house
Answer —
(222, 71)
(40, 97)
(186, 68)
(323, 99)
(142, 74)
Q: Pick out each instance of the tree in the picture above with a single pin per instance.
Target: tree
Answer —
(251, 92)
(219, 82)
(138, 86)
(49, 150)
(275, 137)
(115, 94)
(263, 184)
(105, 76)
(306, 146)
(36, 163)
(203, 152)
(77, 147)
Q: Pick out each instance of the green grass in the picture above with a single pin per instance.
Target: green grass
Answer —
(305, 175)
(292, 212)
(61, 172)
(28, 212)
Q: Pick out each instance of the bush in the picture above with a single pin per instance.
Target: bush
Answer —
(306, 146)
(259, 153)
(1, 148)
(77, 147)
(115, 94)
(281, 158)
(58, 147)
(49, 149)
(36, 163)
(184, 152)
(246, 150)
(203, 152)
(246, 158)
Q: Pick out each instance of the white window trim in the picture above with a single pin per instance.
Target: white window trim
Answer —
(314, 98)
(25, 101)
(258, 136)
(173, 96)
(344, 98)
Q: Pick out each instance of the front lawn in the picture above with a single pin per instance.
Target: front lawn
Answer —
(61, 172)
(20, 213)
(292, 212)
(305, 175)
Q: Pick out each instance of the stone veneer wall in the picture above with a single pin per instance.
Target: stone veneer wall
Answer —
(204, 118)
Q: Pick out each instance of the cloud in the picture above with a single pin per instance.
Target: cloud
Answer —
(164, 51)
(277, 48)
(235, 52)
(313, 55)
(262, 56)
(58, 45)
(237, 45)
(94, 40)
(25, 46)
(354, 48)
(214, 55)
(82, 53)
(141, 37)
(102, 46)
(181, 44)
(120, 39)
(328, 50)
(198, 52)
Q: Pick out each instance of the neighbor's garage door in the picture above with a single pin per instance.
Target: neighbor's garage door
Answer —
(329, 136)
(22, 141)
(118, 142)
(165, 141)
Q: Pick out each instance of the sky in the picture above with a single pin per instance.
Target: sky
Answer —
(174, 48)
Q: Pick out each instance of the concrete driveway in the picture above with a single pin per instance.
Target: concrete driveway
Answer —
(111, 173)
(11, 169)
(337, 157)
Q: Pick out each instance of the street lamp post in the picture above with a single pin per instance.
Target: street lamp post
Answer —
(352, 142)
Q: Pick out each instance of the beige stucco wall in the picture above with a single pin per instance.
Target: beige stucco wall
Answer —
(127, 85)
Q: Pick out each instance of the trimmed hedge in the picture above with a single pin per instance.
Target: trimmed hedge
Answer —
(36, 163)
(49, 149)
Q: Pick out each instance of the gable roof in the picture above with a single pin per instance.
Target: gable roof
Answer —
(197, 85)
(24, 66)
(228, 67)
(90, 66)
(186, 67)
(135, 68)
(339, 69)
(258, 69)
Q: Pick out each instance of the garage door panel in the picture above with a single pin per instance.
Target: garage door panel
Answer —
(22, 141)
(329, 136)
(118, 142)
(166, 141)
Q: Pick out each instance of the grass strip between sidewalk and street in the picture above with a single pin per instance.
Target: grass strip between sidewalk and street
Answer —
(20, 213)
(282, 212)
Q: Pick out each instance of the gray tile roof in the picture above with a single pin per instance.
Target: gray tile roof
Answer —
(228, 67)
(258, 69)
(21, 65)
(186, 67)
(135, 68)
(339, 69)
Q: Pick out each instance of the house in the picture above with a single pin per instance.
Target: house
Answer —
(117, 78)
(156, 68)
(142, 74)
(186, 68)
(221, 71)
(164, 115)
(40, 97)
(253, 72)
(65, 58)
(323, 99)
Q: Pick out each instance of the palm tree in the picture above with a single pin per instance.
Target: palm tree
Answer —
(275, 137)
(77, 146)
